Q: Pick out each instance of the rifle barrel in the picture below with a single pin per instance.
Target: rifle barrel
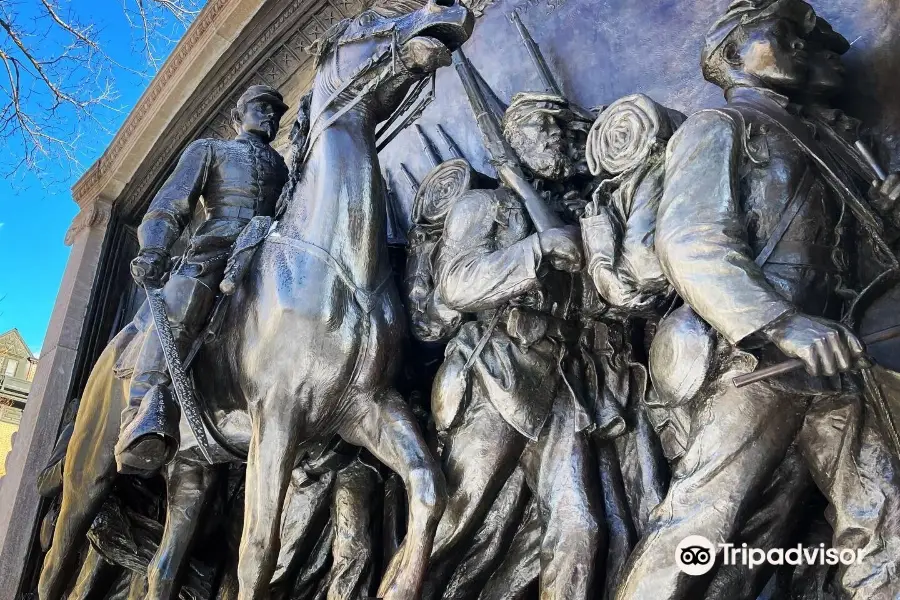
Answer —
(502, 156)
(536, 57)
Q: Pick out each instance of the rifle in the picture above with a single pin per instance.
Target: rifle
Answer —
(501, 154)
(540, 63)
(796, 364)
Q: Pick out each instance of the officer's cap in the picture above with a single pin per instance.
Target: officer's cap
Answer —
(745, 12)
(265, 93)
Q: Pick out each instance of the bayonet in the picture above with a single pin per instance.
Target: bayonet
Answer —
(410, 180)
(455, 152)
(546, 75)
(537, 58)
(433, 158)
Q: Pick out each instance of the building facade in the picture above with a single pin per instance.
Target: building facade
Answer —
(599, 51)
(17, 368)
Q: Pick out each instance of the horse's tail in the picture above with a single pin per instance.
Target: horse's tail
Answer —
(89, 468)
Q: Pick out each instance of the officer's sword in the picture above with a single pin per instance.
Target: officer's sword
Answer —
(180, 383)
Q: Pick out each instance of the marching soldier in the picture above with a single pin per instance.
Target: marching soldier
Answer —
(752, 212)
(503, 396)
(237, 179)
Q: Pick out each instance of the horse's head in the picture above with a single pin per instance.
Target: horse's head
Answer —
(375, 56)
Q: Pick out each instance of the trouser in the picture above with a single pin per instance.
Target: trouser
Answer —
(737, 440)
(151, 408)
(480, 455)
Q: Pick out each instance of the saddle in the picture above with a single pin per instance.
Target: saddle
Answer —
(236, 269)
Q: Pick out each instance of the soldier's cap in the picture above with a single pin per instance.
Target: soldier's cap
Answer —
(262, 92)
(824, 36)
(745, 12)
(390, 8)
(525, 104)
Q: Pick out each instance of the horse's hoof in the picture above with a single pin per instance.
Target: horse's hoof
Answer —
(143, 458)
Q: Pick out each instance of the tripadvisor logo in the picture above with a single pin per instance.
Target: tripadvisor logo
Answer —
(695, 555)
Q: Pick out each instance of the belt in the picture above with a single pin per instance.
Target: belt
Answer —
(231, 212)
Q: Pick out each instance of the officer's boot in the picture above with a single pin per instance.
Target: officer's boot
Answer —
(150, 424)
(149, 436)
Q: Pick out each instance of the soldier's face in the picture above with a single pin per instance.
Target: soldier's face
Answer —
(774, 53)
(260, 118)
(541, 145)
(826, 73)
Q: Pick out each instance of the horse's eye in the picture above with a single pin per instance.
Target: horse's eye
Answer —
(366, 19)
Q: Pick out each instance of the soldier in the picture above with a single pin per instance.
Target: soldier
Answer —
(752, 213)
(238, 179)
(505, 396)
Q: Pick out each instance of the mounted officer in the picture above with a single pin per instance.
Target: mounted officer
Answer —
(237, 180)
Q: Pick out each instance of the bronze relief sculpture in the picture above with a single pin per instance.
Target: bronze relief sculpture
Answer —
(326, 268)
(598, 338)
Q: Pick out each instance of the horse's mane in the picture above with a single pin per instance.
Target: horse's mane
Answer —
(322, 46)
(299, 135)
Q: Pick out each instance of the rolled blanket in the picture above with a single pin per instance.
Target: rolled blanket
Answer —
(441, 188)
(627, 132)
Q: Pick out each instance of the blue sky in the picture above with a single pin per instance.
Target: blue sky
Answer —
(35, 212)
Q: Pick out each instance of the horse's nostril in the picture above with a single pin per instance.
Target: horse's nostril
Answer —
(444, 2)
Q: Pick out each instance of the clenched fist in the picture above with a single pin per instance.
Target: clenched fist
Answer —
(562, 247)
(826, 347)
(149, 266)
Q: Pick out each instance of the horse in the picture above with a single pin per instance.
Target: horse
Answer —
(311, 342)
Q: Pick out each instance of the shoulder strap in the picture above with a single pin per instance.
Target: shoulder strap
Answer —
(789, 209)
(788, 212)
(835, 178)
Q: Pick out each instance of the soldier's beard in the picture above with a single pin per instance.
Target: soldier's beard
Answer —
(549, 163)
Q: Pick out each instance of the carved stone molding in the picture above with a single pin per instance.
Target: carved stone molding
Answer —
(93, 180)
(95, 214)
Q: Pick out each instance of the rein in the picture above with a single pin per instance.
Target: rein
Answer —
(387, 70)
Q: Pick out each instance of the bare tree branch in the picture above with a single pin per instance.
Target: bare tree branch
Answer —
(57, 79)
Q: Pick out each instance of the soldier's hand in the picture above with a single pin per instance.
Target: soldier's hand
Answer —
(149, 266)
(885, 195)
(826, 347)
(562, 247)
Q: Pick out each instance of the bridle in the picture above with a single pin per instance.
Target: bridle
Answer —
(386, 63)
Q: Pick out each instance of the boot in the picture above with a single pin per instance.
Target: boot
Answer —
(151, 438)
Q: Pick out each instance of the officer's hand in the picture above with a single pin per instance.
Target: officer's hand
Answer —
(149, 266)
(562, 247)
(885, 195)
(826, 347)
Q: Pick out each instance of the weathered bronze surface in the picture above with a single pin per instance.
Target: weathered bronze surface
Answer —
(550, 406)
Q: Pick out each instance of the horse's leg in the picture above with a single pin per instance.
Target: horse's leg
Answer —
(270, 460)
(94, 570)
(388, 430)
(88, 473)
(188, 488)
